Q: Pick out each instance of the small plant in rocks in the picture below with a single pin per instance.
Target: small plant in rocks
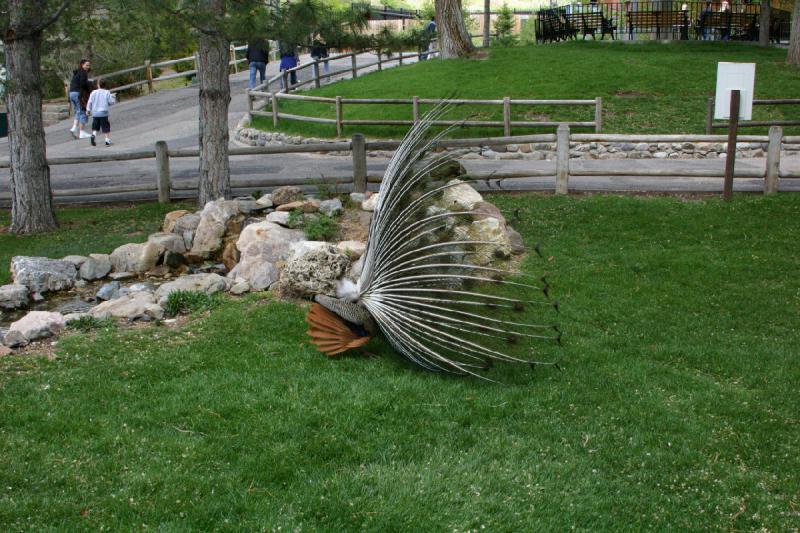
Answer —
(89, 323)
(186, 302)
(320, 228)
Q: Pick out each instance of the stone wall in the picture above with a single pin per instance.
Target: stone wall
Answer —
(546, 151)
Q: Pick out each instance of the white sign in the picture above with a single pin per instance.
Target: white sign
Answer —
(730, 77)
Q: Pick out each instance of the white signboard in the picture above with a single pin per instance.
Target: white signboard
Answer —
(732, 76)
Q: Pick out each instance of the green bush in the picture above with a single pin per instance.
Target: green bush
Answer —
(320, 228)
(186, 302)
(296, 219)
(89, 323)
(504, 26)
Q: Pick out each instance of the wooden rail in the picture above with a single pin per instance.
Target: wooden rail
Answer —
(165, 188)
(711, 125)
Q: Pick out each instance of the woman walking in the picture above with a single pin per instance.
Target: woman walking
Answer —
(79, 90)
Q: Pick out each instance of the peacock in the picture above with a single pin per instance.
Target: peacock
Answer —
(441, 296)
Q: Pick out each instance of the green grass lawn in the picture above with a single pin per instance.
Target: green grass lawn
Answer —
(676, 407)
(646, 87)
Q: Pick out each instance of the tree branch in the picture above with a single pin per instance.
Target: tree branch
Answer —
(54, 17)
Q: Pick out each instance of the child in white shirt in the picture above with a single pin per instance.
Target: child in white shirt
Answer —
(99, 102)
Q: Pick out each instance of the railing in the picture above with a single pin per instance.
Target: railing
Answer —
(414, 102)
(165, 188)
(147, 68)
(710, 124)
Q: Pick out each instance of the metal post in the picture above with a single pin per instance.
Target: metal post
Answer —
(315, 70)
(338, 116)
(773, 160)
(354, 65)
(709, 115)
(415, 108)
(148, 72)
(598, 114)
(358, 149)
(507, 116)
(730, 157)
(274, 100)
(562, 159)
(162, 172)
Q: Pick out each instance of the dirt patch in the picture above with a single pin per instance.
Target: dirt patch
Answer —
(354, 225)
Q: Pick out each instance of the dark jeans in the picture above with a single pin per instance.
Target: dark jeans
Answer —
(260, 68)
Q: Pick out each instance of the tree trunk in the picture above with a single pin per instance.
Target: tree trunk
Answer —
(793, 54)
(763, 23)
(215, 96)
(487, 21)
(454, 39)
(31, 197)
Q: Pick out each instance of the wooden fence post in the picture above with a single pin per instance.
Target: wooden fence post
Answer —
(401, 58)
(709, 115)
(506, 116)
(249, 100)
(730, 150)
(315, 69)
(148, 72)
(773, 160)
(338, 116)
(562, 159)
(598, 114)
(286, 82)
(415, 108)
(274, 100)
(354, 65)
(358, 148)
(162, 171)
(233, 59)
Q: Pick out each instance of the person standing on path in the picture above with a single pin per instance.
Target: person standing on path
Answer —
(319, 50)
(288, 60)
(428, 44)
(79, 89)
(257, 56)
(99, 102)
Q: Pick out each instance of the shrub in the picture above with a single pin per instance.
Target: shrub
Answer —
(186, 302)
(504, 26)
(320, 228)
(89, 323)
(296, 219)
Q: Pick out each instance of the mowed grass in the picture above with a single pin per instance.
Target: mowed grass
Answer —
(647, 87)
(675, 407)
(83, 230)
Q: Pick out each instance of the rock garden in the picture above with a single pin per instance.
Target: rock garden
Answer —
(293, 244)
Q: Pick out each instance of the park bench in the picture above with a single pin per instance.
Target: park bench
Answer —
(555, 26)
(591, 23)
(671, 22)
(740, 26)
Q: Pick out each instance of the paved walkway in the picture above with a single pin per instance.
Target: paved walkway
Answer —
(172, 115)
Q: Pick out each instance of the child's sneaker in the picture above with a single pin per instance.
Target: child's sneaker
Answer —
(109, 142)
(93, 141)
(84, 135)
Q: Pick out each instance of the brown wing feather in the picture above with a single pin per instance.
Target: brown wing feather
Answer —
(329, 333)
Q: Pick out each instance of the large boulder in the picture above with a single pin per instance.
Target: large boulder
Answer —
(133, 306)
(264, 247)
(34, 325)
(14, 296)
(186, 226)
(279, 217)
(76, 260)
(491, 230)
(370, 203)
(109, 291)
(315, 272)
(96, 266)
(168, 241)
(211, 228)
(135, 257)
(483, 210)
(284, 195)
(459, 196)
(205, 283)
(331, 207)
(41, 274)
(171, 218)
(306, 206)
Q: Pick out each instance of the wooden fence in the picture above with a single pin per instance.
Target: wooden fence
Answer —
(710, 124)
(165, 188)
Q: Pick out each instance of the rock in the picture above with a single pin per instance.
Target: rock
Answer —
(135, 257)
(306, 206)
(119, 276)
(211, 228)
(186, 226)
(265, 201)
(41, 274)
(353, 249)
(515, 241)
(168, 241)
(71, 317)
(262, 245)
(96, 266)
(133, 306)
(287, 194)
(642, 147)
(34, 325)
(5, 350)
(14, 296)
(357, 197)
(314, 272)
(109, 291)
(76, 260)
(230, 254)
(205, 283)
(488, 229)
(160, 271)
(174, 260)
(370, 203)
(171, 218)
(247, 204)
(141, 287)
(299, 249)
(80, 284)
(460, 196)
(356, 268)
(240, 288)
(660, 155)
(484, 210)
(331, 207)
(279, 217)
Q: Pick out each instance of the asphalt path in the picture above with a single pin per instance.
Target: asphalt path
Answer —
(172, 115)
